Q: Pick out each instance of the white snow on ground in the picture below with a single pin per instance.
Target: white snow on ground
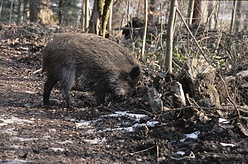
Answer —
(13, 120)
(132, 122)
(118, 114)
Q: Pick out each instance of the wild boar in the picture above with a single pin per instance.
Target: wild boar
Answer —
(90, 62)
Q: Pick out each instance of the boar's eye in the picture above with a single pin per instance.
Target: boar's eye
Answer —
(135, 72)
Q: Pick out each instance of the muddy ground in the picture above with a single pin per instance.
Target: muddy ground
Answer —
(118, 133)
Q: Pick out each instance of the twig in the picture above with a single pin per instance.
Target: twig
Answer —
(141, 151)
(157, 153)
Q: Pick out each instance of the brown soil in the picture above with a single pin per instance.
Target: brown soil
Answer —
(119, 133)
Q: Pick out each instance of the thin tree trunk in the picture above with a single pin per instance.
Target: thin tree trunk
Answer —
(170, 34)
(1, 8)
(128, 11)
(11, 11)
(233, 16)
(60, 12)
(145, 29)
(86, 15)
(34, 9)
(25, 9)
(105, 16)
(110, 17)
(190, 11)
(94, 24)
(138, 9)
(20, 10)
(197, 15)
(238, 19)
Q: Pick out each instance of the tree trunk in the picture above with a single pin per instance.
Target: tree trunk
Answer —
(152, 9)
(190, 11)
(20, 11)
(1, 8)
(11, 11)
(138, 10)
(170, 34)
(85, 15)
(238, 15)
(94, 24)
(212, 14)
(233, 16)
(197, 14)
(144, 31)
(110, 17)
(105, 16)
(60, 14)
(34, 10)
(25, 9)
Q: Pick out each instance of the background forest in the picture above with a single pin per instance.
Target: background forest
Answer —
(190, 107)
(218, 25)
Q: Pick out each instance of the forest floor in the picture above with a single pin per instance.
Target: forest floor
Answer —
(118, 133)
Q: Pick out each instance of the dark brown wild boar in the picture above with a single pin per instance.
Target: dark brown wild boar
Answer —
(90, 62)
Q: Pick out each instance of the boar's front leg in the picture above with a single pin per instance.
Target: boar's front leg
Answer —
(49, 84)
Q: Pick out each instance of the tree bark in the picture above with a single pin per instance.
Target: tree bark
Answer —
(197, 14)
(190, 11)
(34, 9)
(20, 11)
(170, 34)
(233, 16)
(238, 15)
(144, 31)
(94, 24)
(105, 16)
(85, 15)
(11, 11)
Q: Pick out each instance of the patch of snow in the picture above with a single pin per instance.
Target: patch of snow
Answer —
(12, 120)
(83, 124)
(56, 149)
(15, 161)
(30, 92)
(180, 152)
(137, 117)
(95, 141)
(227, 144)
(24, 139)
(223, 120)
(193, 135)
(64, 142)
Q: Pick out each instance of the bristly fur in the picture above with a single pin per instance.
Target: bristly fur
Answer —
(90, 62)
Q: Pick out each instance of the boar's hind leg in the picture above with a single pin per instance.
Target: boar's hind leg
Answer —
(67, 82)
(49, 84)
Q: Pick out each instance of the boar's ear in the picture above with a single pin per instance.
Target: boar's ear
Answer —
(135, 72)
